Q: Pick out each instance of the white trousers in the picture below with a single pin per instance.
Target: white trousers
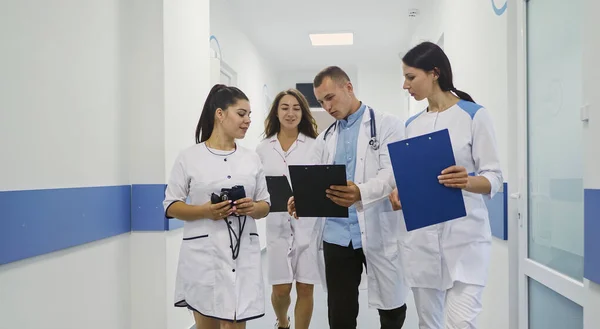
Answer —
(455, 308)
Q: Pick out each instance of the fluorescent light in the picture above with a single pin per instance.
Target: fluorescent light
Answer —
(332, 39)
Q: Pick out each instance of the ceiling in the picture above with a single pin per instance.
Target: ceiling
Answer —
(280, 29)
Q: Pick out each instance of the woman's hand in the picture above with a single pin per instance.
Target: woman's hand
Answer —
(455, 177)
(395, 200)
(244, 207)
(291, 206)
(219, 210)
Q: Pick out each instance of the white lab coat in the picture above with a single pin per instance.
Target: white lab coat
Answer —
(458, 250)
(382, 229)
(290, 255)
(208, 280)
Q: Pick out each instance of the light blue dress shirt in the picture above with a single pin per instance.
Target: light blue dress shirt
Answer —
(341, 231)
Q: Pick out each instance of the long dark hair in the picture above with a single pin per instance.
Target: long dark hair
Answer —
(307, 125)
(219, 97)
(428, 56)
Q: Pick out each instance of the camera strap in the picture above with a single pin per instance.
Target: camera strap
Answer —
(235, 248)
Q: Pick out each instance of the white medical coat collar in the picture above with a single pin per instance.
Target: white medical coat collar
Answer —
(301, 138)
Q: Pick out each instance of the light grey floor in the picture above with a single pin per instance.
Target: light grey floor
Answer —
(367, 318)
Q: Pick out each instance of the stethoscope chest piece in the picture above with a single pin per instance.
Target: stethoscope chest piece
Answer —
(374, 143)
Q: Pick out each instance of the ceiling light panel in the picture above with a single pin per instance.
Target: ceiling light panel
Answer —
(332, 39)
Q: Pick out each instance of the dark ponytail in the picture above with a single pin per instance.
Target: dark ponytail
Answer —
(428, 57)
(463, 95)
(219, 97)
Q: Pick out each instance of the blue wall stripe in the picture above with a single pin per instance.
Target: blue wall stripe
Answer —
(37, 222)
(497, 209)
(591, 228)
(505, 213)
(174, 224)
(147, 212)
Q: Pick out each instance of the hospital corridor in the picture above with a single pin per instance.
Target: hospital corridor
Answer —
(279, 164)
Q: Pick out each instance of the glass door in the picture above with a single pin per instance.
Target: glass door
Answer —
(551, 175)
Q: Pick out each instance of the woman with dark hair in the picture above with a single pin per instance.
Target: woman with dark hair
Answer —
(446, 264)
(218, 188)
(290, 131)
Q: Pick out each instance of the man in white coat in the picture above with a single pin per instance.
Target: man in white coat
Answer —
(372, 233)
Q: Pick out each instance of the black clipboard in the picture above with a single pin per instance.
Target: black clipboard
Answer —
(310, 182)
(280, 192)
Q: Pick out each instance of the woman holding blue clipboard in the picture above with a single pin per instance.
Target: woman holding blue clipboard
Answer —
(446, 264)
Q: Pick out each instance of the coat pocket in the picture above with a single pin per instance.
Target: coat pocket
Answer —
(197, 259)
(196, 237)
(390, 232)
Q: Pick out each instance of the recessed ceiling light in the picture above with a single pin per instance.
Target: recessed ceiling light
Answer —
(332, 39)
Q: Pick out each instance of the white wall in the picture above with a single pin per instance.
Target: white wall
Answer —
(62, 125)
(154, 258)
(186, 72)
(81, 287)
(60, 88)
(476, 47)
(143, 83)
(93, 94)
(379, 86)
(252, 70)
(169, 79)
(288, 79)
(477, 51)
(148, 271)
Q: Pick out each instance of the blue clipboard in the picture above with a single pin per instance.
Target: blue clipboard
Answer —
(417, 162)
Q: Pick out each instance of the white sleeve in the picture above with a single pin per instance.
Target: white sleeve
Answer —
(317, 153)
(260, 150)
(178, 187)
(261, 192)
(380, 186)
(485, 150)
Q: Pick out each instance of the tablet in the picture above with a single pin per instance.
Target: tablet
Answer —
(309, 183)
(280, 192)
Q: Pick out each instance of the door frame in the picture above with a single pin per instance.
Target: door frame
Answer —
(527, 268)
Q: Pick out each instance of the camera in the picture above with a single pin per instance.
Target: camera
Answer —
(235, 193)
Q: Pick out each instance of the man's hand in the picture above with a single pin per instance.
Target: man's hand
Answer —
(344, 196)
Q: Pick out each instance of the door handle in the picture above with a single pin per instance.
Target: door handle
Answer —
(515, 195)
(584, 113)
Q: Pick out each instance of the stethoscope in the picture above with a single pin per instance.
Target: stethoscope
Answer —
(373, 142)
